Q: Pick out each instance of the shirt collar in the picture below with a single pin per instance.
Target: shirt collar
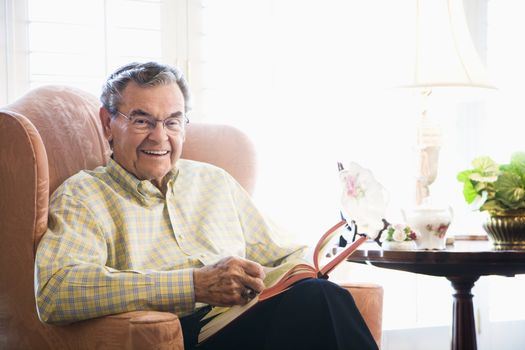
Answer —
(144, 190)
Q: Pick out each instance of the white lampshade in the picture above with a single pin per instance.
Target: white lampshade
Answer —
(444, 55)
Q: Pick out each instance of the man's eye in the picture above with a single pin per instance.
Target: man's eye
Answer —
(173, 122)
(140, 121)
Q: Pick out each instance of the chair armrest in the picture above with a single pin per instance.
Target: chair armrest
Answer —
(134, 330)
(368, 298)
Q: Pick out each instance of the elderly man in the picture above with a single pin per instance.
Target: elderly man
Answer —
(151, 231)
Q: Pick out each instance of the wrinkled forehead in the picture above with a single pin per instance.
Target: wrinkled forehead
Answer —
(165, 99)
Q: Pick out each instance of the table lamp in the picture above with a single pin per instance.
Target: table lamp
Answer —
(443, 57)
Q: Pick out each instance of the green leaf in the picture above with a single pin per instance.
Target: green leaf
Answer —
(469, 192)
(486, 166)
(480, 178)
(510, 190)
(517, 165)
(518, 159)
(521, 205)
(464, 175)
(480, 186)
(493, 205)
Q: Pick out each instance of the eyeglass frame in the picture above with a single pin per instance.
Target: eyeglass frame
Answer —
(151, 126)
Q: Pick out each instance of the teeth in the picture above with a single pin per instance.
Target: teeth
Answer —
(158, 153)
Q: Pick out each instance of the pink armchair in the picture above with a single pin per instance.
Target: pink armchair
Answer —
(50, 134)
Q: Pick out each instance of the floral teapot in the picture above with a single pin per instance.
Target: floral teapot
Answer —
(430, 224)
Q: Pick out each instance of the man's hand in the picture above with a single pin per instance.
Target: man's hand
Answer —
(225, 282)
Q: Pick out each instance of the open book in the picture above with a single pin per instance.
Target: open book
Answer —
(278, 279)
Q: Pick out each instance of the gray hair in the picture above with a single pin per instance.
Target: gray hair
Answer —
(143, 74)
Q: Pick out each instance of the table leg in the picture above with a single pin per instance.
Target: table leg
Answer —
(463, 324)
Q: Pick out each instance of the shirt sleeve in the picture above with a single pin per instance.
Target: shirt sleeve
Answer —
(266, 243)
(73, 283)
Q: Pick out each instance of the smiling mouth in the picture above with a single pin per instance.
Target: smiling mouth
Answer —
(155, 153)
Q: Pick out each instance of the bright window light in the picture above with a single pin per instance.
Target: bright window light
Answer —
(77, 42)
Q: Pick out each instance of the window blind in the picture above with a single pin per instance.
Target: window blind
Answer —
(79, 42)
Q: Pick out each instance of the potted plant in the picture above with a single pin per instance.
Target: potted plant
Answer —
(498, 189)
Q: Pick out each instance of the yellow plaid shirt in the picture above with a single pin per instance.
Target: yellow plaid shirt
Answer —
(117, 244)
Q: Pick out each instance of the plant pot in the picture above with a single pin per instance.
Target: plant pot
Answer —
(506, 230)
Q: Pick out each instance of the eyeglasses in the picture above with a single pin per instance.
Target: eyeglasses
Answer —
(146, 123)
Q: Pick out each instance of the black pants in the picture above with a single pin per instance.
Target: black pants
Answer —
(313, 314)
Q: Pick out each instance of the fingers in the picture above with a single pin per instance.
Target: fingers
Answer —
(254, 283)
(252, 268)
(244, 272)
(230, 281)
(251, 274)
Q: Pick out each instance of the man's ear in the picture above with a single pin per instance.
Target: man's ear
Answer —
(105, 119)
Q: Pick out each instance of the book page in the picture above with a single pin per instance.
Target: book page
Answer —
(274, 274)
(326, 269)
(325, 240)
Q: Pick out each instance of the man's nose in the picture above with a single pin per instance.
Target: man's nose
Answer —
(159, 132)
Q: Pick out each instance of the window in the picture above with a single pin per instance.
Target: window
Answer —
(78, 42)
(90, 39)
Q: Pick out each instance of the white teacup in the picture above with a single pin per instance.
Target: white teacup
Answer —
(430, 225)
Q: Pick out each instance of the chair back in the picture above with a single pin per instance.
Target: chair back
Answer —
(46, 136)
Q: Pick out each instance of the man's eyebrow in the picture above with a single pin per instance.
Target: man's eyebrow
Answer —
(177, 114)
(142, 113)
(139, 112)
